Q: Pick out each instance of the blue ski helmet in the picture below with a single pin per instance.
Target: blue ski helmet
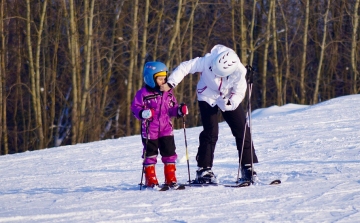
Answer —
(150, 69)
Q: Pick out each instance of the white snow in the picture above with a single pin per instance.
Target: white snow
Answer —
(314, 150)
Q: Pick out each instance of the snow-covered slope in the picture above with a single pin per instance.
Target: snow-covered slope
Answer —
(314, 150)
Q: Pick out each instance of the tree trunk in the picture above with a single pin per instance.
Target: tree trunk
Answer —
(74, 73)
(143, 56)
(2, 81)
(89, 16)
(158, 29)
(277, 73)
(354, 41)
(304, 52)
(266, 51)
(287, 54)
(133, 42)
(110, 60)
(243, 47)
(175, 32)
(323, 47)
(251, 34)
(233, 29)
(34, 64)
(192, 105)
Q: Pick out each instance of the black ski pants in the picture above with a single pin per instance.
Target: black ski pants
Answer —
(236, 120)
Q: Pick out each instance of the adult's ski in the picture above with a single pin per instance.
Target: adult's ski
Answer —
(242, 184)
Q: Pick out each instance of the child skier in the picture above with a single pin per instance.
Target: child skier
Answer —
(155, 110)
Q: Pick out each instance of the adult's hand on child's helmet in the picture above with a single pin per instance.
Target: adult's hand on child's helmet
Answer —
(183, 110)
(147, 113)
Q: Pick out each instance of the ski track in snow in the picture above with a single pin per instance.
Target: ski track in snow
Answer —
(314, 150)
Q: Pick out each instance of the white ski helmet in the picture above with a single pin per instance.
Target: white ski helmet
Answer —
(225, 63)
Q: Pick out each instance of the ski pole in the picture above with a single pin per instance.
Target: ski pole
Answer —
(249, 80)
(250, 84)
(186, 149)
(144, 153)
(251, 140)
(242, 149)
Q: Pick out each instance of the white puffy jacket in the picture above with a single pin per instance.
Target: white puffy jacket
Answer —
(211, 88)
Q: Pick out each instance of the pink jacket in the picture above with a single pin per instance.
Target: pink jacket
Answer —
(165, 106)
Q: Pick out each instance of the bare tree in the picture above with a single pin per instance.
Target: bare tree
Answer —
(175, 33)
(277, 73)
(287, 53)
(322, 51)
(74, 57)
(192, 105)
(251, 33)
(243, 46)
(158, 29)
(265, 59)
(233, 32)
(88, 23)
(133, 56)
(304, 52)
(34, 64)
(355, 72)
(144, 39)
(3, 125)
(143, 54)
(110, 61)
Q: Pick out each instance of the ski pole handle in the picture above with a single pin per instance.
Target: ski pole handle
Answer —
(249, 74)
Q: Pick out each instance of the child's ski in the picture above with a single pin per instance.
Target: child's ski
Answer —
(158, 187)
(242, 184)
(177, 187)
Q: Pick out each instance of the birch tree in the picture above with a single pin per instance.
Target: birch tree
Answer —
(158, 29)
(74, 57)
(233, 28)
(243, 45)
(251, 33)
(266, 51)
(88, 23)
(110, 59)
(277, 74)
(3, 124)
(287, 53)
(175, 33)
(133, 55)
(34, 65)
(354, 52)
(322, 51)
(304, 52)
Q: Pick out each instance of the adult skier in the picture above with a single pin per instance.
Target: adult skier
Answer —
(222, 85)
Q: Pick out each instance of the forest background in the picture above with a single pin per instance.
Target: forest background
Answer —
(69, 69)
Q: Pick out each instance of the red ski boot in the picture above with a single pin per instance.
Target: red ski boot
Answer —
(169, 171)
(170, 178)
(150, 176)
